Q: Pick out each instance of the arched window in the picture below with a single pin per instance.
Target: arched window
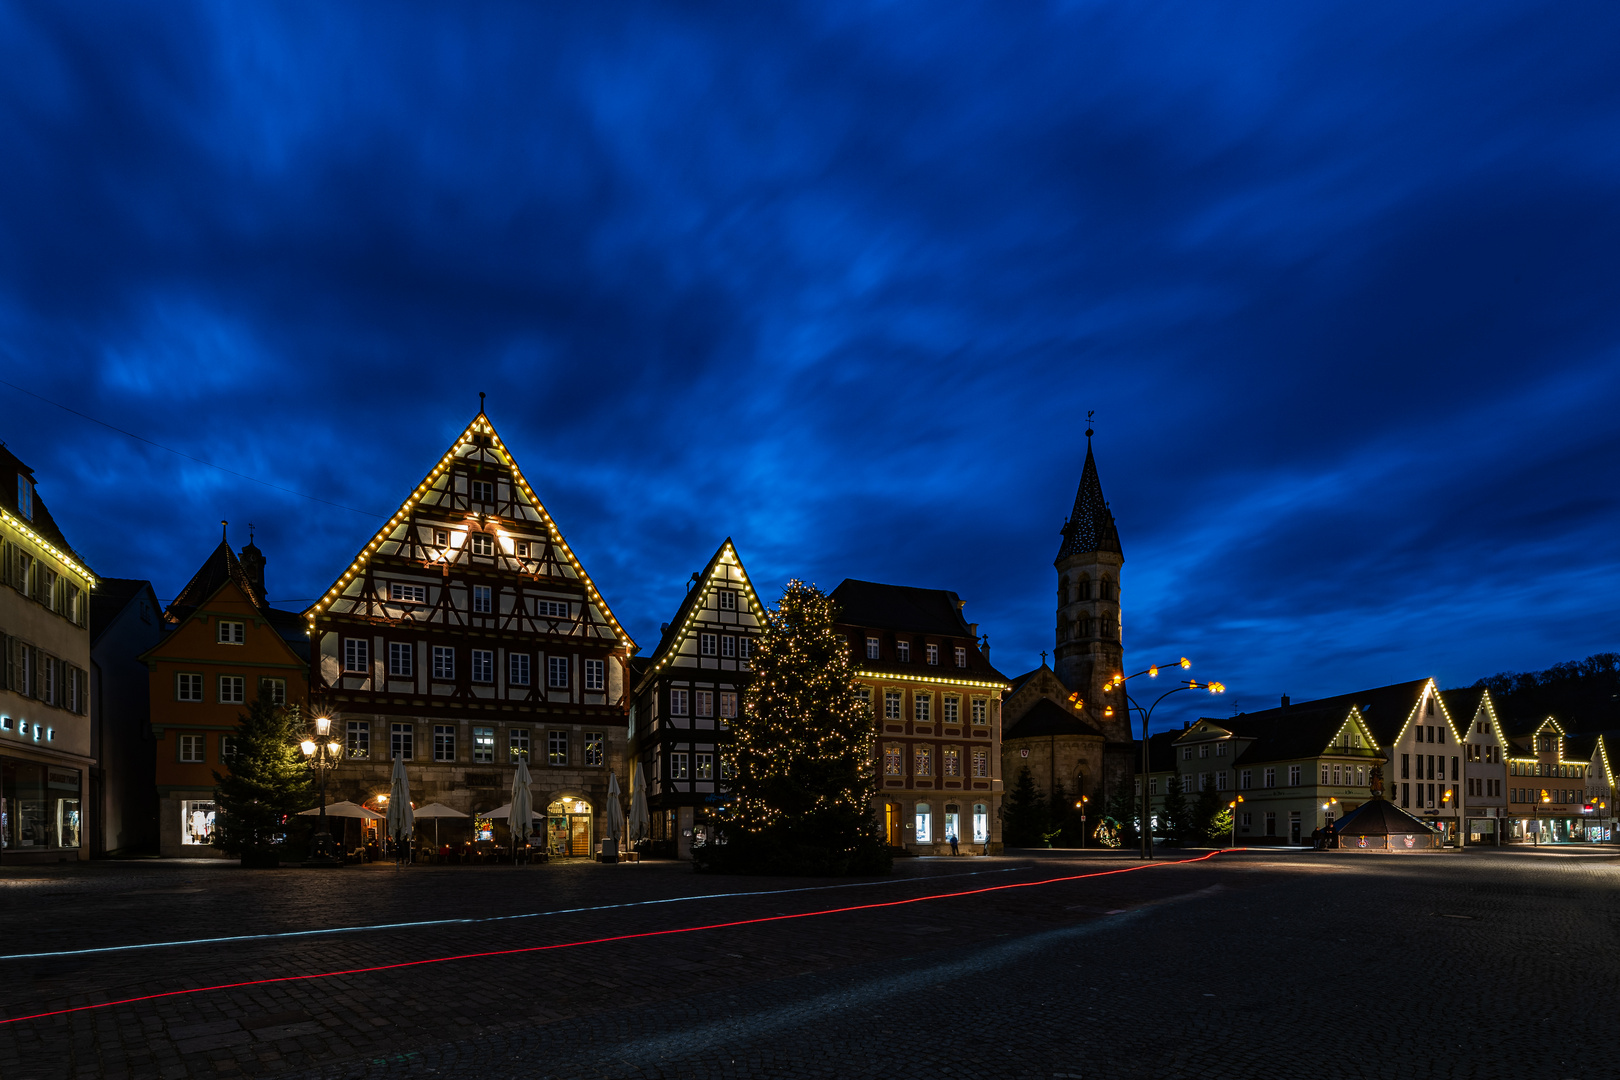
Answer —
(1083, 625)
(1082, 589)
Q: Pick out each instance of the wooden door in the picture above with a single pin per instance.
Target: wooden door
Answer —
(580, 839)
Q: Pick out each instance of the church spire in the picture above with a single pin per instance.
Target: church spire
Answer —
(1091, 524)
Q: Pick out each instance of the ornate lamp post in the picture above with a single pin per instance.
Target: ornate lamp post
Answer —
(1152, 672)
(322, 753)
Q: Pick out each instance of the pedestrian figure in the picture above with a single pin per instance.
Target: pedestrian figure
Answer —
(952, 839)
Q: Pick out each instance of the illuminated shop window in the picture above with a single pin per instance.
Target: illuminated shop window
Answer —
(197, 822)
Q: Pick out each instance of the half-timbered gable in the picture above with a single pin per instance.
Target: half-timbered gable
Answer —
(465, 633)
(690, 690)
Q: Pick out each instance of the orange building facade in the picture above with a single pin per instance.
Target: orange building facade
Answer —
(222, 647)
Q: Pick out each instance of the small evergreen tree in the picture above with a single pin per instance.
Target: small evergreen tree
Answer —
(1062, 824)
(1205, 809)
(1125, 808)
(1023, 812)
(1175, 817)
(266, 781)
(802, 771)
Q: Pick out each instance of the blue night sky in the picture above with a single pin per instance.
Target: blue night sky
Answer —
(841, 282)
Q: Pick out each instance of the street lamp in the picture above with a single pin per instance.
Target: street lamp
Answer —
(1080, 805)
(1327, 821)
(322, 753)
(1231, 809)
(1545, 798)
(1152, 672)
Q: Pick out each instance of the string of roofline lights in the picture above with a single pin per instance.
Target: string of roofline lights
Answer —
(182, 453)
(528, 949)
(480, 425)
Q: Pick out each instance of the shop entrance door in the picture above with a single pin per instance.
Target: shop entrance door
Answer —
(891, 823)
(579, 835)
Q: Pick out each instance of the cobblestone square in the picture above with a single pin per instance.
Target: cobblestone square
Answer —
(1248, 964)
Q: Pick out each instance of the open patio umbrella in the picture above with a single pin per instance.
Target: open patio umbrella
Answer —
(436, 811)
(344, 810)
(640, 823)
(522, 805)
(401, 822)
(614, 826)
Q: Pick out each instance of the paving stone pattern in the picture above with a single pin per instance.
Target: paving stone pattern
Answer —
(1273, 964)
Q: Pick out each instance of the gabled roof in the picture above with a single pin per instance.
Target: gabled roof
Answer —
(900, 607)
(41, 528)
(1045, 718)
(220, 566)
(1284, 734)
(1018, 681)
(876, 606)
(111, 596)
(479, 427)
(680, 627)
(1384, 709)
(1091, 524)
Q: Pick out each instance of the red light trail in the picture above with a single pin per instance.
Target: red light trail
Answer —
(607, 940)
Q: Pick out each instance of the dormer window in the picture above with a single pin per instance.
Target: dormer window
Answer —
(903, 648)
(25, 497)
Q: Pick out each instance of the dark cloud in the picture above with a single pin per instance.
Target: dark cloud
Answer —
(842, 281)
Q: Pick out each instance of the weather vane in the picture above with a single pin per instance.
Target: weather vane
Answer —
(1089, 414)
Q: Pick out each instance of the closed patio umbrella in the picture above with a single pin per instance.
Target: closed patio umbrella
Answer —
(401, 822)
(614, 825)
(640, 823)
(521, 809)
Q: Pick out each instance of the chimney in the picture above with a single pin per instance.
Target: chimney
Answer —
(1285, 701)
(664, 629)
(1185, 724)
(984, 647)
(973, 629)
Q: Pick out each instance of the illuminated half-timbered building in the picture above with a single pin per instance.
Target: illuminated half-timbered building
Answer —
(689, 691)
(465, 634)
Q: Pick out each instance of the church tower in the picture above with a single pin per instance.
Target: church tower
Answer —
(1089, 649)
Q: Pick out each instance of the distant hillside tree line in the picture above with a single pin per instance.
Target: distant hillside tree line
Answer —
(1583, 694)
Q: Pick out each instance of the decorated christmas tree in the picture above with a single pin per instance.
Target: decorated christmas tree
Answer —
(802, 775)
(267, 780)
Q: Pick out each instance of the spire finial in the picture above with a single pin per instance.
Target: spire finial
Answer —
(1043, 658)
(250, 532)
(1089, 414)
(224, 534)
(480, 403)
